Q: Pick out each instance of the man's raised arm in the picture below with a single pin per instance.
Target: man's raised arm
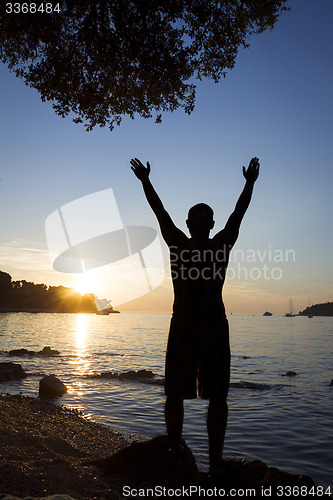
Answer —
(170, 232)
(231, 229)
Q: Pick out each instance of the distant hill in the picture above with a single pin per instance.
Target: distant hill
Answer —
(318, 310)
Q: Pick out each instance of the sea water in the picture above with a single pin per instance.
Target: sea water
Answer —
(284, 421)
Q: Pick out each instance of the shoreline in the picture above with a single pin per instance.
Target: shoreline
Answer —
(44, 447)
(34, 310)
(8, 310)
(50, 452)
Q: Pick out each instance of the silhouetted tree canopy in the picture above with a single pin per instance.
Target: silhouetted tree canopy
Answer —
(103, 59)
(5, 280)
(25, 295)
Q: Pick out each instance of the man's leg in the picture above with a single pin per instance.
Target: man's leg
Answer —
(174, 416)
(215, 387)
(217, 416)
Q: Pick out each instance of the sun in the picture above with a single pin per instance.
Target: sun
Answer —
(86, 283)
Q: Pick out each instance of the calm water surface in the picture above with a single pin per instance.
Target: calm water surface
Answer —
(287, 425)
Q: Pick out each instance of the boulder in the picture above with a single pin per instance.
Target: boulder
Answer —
(290, 374)
(147, 464)
(51, 387)
(136, 375)
(47, 351)
(11, 371)
(258, 475)
(21, 352)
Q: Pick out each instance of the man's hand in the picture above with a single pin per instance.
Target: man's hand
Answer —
(140, 170)
(251, 174)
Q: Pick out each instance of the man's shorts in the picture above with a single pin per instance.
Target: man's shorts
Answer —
(198, 357)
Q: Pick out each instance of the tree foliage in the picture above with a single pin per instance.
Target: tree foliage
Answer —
(25, 295)
(5, 281)
(324, 309)
(104, 59)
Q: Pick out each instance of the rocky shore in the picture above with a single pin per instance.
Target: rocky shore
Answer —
(52, 453)
(43, 448)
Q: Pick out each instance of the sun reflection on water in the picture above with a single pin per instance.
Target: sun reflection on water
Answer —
(81, 332)
(81, 360)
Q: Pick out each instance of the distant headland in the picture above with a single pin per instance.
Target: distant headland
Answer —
(325, 309)
(25, 296)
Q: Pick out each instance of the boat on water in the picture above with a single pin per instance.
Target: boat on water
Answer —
(291, 313)
(106, 312)
(104, 307)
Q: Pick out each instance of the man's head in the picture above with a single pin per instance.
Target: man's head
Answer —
(200, 220)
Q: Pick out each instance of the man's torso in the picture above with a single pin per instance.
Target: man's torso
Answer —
(198, 271)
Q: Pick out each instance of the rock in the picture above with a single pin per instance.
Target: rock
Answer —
(21, 352)
(47, 351)
(252, 473)
(331, 383)
(140, 375)
(147, 464)
(258, 475)
(51, 387)
(11, 371)
(254, 386)
(289, 374)
(134, 375)
(275, 477)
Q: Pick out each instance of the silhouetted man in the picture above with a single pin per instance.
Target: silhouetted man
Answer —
(198, 349)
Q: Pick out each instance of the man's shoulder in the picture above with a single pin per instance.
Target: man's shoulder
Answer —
(220, 239)
(180, 242)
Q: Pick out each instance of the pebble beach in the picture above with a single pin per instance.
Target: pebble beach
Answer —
(44, 447)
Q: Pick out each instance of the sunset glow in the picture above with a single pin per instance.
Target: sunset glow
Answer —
(86, 283)
(265, 107)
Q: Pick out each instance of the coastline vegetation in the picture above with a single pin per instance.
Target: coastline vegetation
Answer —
(325, 309)
(25, 296)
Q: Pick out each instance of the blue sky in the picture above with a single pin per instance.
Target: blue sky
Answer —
(275, 104)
